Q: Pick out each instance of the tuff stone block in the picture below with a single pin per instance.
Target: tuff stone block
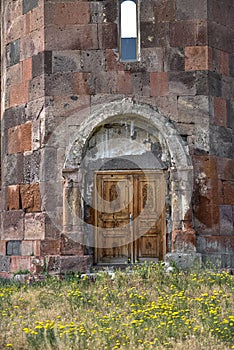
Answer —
(59, 84)
(112, 60)
(174, 59)
(13, 171)
(189, 9)
(188, 33)
(182, 83)
(28, 5)
(223, 62)
(79, 37)
(12, 225)
(152, 59)
(226, 220)
(159, 83)
(106, 82)
(107, 35)
(30, 197)
(220, 111)
(225, 169)
(82, 84)
(165, 10)
(66, 61)
(36, 88)
(155, 34)
(42, 63)
(92, 60)
(216, 35)
(13, 196)
(30, 248)
(228, 193)
(34, 226)
(72, 13)
(124, 85)
(5, 262)
(141, 83)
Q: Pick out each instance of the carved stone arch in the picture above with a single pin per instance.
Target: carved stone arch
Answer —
(180, 170)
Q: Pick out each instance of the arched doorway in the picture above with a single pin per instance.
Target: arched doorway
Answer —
(129, 178)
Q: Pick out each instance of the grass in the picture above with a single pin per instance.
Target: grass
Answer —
(146, 308)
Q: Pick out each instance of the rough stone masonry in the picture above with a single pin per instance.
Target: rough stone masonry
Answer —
(63, 84)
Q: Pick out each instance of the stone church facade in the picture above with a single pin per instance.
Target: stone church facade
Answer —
(111, 156)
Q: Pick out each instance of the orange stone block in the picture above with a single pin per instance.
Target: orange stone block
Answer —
(27, 69)
(13, 197)
(30, 197)
(159, 83)
(20, 138)
(19, 93)
(197, 58)
(220, 111)
(26, 137)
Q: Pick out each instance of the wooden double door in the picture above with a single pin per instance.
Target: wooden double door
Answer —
(129, 216)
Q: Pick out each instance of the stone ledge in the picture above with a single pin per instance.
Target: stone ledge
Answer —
(184, 260)
(65, 264)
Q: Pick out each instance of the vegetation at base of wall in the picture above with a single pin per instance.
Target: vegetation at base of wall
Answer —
(145, 308)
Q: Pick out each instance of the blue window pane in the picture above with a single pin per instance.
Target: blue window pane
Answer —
(128, 49)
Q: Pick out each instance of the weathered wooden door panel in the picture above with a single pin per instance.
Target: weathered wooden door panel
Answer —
(120, 196)
(114, 202)
(151, 201)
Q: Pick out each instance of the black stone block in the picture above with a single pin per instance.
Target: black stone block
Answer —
(14, 52)
(28, 5)
(13, 248)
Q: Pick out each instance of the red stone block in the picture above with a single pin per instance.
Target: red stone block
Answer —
(184, 241)
(27, 69)
(206, 164)
(20, 138)
(72, 13)
(3, 247)
(220, 111)
(50, 247)
(20, 263)
(14, 140)
(112, 61)
(13, 197)
(81, 83)
(30, 197)
(19, 93)
(124, 85)
(197, 57)
(223, 62)
(159, 83)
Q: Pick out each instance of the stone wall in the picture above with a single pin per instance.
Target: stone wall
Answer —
(60, 63)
